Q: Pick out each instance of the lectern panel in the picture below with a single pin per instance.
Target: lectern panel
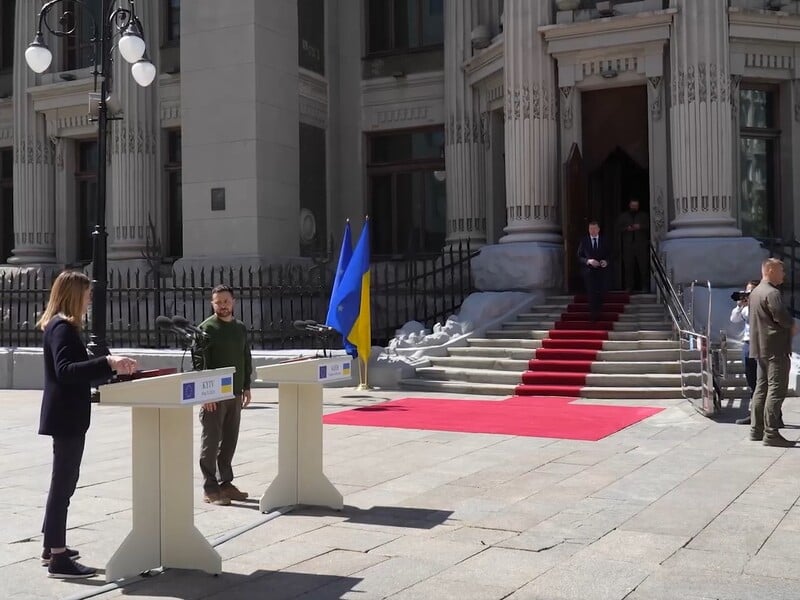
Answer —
(307, 370)
(171, 391)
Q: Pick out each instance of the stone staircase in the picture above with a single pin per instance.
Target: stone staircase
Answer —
(543, 352)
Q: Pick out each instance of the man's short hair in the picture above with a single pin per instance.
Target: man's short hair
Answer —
(771, 262)
(594, 223)
(221, 288)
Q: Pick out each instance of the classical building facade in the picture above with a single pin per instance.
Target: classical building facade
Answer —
(509, 123)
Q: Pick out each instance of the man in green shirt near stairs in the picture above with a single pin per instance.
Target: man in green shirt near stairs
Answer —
(225, 345)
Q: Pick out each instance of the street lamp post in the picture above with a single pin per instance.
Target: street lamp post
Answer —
(113, 22)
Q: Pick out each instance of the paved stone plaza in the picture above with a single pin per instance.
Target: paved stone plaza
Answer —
(675, 507)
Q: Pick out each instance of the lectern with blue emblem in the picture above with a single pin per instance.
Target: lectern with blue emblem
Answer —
(163, 533)
(300, 478)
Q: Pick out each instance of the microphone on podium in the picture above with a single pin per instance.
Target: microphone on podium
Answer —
(313, 326)
(184, 324)
(166, 324)
(321, 331)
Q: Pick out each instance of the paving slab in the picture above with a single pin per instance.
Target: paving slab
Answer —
(676, 506)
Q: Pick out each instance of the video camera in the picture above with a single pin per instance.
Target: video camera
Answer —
(739, 296)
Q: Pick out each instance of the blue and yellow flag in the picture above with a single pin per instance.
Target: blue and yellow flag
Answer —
(349, 309)
(345, 254)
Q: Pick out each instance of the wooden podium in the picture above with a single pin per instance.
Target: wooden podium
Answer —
(163, 531)
(300, 478)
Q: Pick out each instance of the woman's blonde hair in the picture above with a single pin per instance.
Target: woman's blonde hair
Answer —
(66, 299)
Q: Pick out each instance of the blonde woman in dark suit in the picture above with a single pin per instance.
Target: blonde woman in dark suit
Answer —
(65, 414)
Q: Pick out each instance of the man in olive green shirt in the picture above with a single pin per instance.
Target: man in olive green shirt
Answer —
(771, 331)
(225, 345)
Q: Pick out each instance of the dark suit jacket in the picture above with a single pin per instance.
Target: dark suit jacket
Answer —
(770, 323)
(68, 376)
(585, 252)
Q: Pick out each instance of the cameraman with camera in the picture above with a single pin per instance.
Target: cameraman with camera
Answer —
(741, 314)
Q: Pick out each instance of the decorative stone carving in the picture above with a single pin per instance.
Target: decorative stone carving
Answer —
(797, 100)
(566, 106)
(656, 103)
(736, 81)
(530, 102)
(701, 83)
(659, 215)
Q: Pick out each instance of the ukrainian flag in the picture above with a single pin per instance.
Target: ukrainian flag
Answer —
(345, 254)
(349, 311)
(226, 385)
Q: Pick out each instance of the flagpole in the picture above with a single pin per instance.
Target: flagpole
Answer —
(363, 385)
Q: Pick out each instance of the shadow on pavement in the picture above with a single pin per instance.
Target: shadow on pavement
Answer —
(191, 585)
(395, 516)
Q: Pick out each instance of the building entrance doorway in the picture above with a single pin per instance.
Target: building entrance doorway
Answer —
(612, 169)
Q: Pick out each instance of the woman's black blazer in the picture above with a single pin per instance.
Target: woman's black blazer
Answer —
(68, 377)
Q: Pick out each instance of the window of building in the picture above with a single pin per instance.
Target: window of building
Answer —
(172, 21)
(311, 39)
(78, 48)
(7, 34)
(406, 201)
(86, 198)
(6, 203)
(759, 143)
(403, 25)
(313, 190)
(173, 166)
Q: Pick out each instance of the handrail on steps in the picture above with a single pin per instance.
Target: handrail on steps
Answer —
(690, 340)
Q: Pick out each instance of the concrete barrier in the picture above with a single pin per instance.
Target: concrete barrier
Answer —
(22, 368)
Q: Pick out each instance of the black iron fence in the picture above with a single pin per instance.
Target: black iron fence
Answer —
(269, 299)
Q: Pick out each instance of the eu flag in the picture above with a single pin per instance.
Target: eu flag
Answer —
(349, 309)
(345, 254)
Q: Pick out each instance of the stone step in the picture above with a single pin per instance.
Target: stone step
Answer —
(604, 355)
(519, 366)
(465, 387)
(502, 343)
(557, 311)
(635, 299)
(648, 380)
(540, 334)
(511, 338)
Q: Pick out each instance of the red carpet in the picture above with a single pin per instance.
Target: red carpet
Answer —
(561, 365)
(531, 417)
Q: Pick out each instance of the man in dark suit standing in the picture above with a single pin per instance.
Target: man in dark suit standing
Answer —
(633, 229)
(594, 254)
(771, 331)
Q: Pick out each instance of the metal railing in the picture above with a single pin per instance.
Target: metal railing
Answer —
(269, 299)
(696, 358)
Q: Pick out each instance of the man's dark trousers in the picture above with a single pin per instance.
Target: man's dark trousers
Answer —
(595, 280)
(771, 388)
(67, 455)
(750, 367)
(218, 442)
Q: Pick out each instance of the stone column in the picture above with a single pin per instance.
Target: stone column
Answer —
(530, 256)
(240, 117)
(700, 125)
(34, 199)
(465, 132)
(133, 148)
(531, 131)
